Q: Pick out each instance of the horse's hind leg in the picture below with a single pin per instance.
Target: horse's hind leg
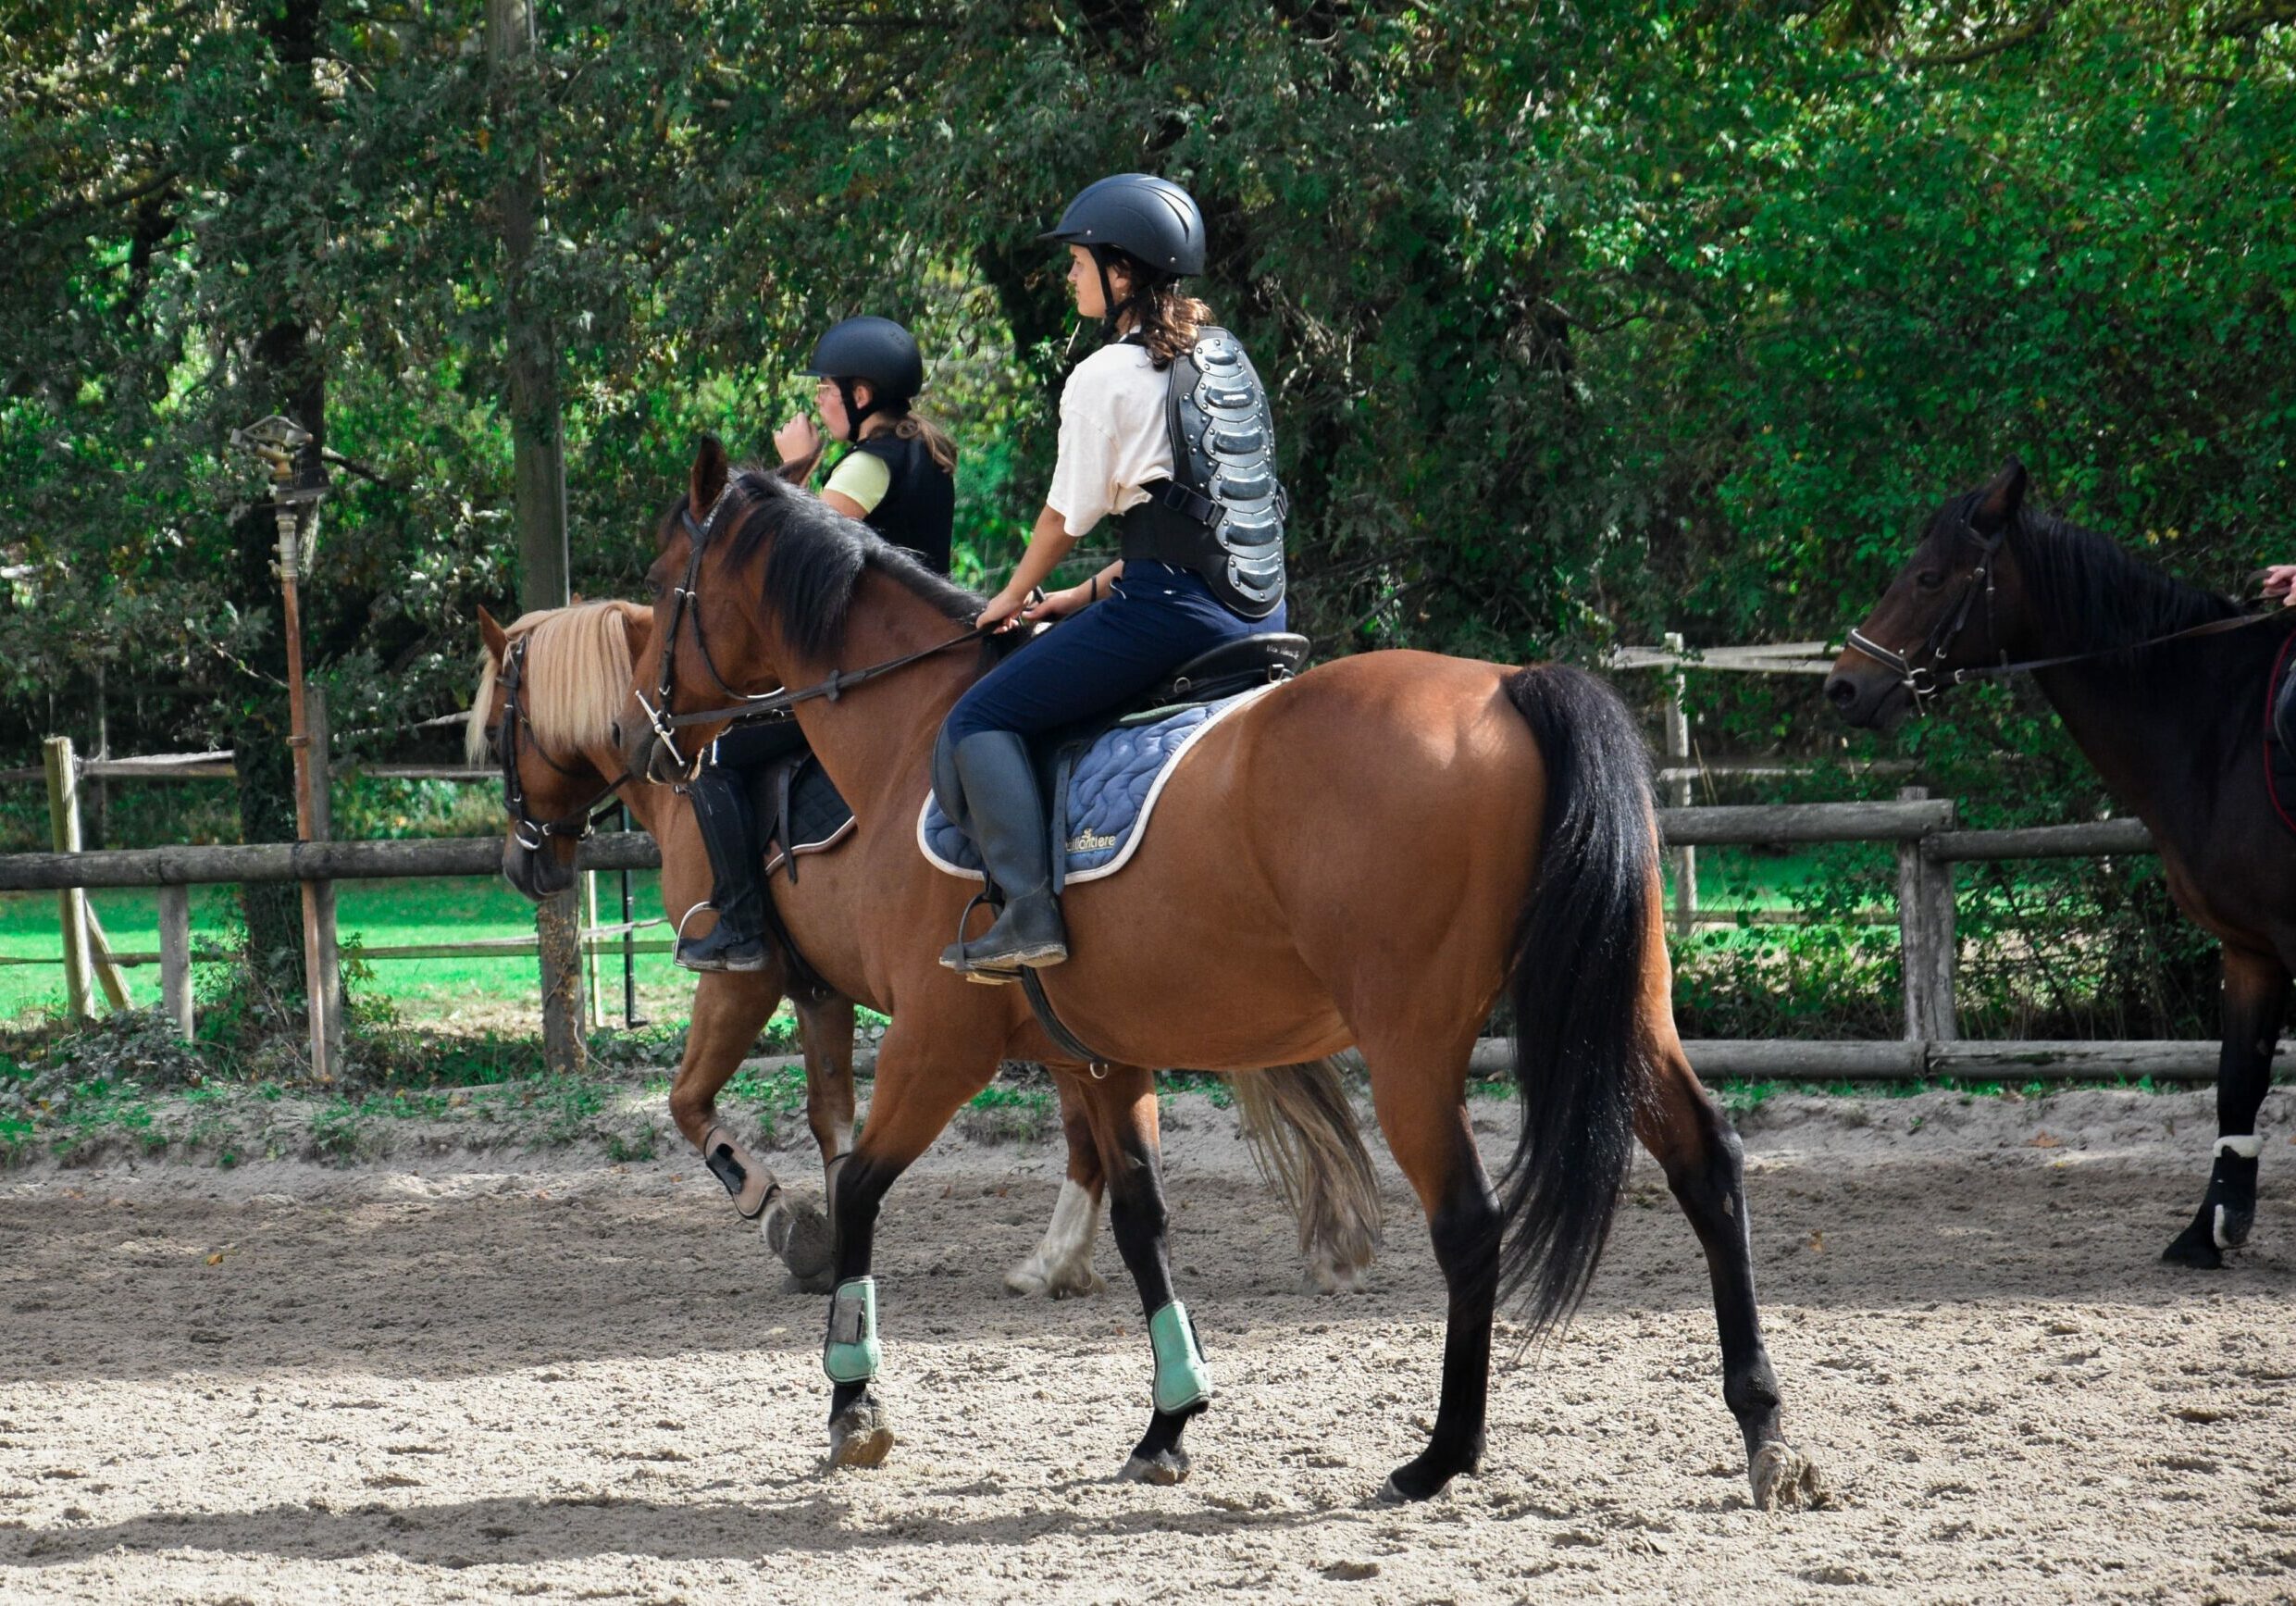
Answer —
(1122, 1105)
(2255, 1004)
(1062, 1265)
(1705, 1166)
(1421, 1102)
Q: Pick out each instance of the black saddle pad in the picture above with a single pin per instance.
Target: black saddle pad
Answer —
(2280, 736)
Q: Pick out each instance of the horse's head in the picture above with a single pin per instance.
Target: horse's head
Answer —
(547, 692)
(1958, 602)
(709, 647)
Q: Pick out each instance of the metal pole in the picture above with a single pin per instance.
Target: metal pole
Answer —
(630, 1021)
(299, 742)
(1678, 791)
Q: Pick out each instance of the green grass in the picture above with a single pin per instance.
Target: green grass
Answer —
(373, 914)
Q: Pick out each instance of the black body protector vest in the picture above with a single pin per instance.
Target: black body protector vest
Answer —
(1222, 512)
(919, 508)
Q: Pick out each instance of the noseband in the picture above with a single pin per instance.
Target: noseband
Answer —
(526, 831)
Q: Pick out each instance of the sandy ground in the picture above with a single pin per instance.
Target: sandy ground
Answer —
(585, 1382)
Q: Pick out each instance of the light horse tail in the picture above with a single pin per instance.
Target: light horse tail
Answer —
(1577, 981)
(1303, 1134)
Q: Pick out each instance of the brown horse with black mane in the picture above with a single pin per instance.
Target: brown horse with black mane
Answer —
(2165, 687)
(1369, 855)
(550, 687)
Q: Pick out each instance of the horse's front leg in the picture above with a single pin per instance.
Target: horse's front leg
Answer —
(1062, 1265)
(1122, 1107)
(919, 1085)
(2255, 1003)
(729, 1009)
(799, 1233)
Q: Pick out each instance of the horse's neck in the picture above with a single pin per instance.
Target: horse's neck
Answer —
(874, 738)
(647, 804)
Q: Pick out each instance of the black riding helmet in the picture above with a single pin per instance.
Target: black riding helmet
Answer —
(876, 351)
(1152, 221)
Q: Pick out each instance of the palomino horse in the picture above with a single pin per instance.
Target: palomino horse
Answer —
(1370, 855)
(2165, 687)
(547, 695)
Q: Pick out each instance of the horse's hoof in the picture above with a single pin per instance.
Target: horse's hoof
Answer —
(1030, 1278)
(807, 1249)
(1784, 1477)
(860, 1435)
(2195, 1247)
(1414, 1481)
(1165, 1467)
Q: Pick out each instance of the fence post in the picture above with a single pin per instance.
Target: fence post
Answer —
(71, 904)
(322, 981)
(558, 933)
(1925, 925)
(1677, 738)
(175, 958)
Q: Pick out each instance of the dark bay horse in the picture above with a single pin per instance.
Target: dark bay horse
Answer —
(1368, 856)
(2175, 728)
(546, 719)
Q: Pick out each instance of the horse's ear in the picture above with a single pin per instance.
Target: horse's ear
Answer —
(497, 640)
(711, 470)
(2003, 495)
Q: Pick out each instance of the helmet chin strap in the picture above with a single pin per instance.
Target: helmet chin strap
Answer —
(855, 412)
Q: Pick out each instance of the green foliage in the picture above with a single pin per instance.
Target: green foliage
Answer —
(1584, 322)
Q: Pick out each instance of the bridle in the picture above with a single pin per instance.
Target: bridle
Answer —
(1927, 679)
(526, 831)
(745, 707)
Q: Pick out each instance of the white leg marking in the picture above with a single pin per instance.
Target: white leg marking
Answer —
(1063, 1263)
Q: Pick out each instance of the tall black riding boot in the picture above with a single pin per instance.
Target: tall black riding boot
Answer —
(1006, 816)
(721, 807)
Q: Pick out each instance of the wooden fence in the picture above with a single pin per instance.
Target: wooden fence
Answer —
(1922, 830)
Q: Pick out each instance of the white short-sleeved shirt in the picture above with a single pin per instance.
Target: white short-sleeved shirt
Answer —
(1114, 437)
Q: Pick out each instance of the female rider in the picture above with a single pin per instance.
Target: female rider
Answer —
(899, 476)
(1190, 577)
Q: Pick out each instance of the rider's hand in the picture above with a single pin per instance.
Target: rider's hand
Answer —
(1056, 605)
(797, 439)
(1004, 610)
(2281, 581)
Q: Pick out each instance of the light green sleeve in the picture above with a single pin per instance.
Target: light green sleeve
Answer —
(863, 477)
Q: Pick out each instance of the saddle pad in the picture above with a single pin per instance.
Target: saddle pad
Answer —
(2279, 727)
(819, 816)
(1111, 795)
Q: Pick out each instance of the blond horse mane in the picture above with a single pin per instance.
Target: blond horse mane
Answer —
(577, 676)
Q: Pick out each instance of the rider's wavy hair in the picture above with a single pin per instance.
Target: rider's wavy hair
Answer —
(1166, 317)
(912, 424)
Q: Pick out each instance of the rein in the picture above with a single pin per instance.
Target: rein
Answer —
(749, 706)
(528, 832)
(1928, 679)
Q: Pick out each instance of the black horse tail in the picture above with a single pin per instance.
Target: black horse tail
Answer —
(1576, 981)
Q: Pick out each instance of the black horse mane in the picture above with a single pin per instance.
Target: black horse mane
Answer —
(817, 560)
(2092, 595)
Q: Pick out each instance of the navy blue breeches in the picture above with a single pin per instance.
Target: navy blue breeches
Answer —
(1152, 621)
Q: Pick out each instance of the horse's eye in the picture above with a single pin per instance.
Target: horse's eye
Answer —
(1928, 579)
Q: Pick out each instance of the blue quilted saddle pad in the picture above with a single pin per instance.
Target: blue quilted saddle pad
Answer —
(1110, 793)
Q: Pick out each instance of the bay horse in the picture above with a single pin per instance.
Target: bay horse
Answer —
(2164, 689)
(1368, 856)
(549, 687)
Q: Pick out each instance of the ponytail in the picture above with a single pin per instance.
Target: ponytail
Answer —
(914, 426)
